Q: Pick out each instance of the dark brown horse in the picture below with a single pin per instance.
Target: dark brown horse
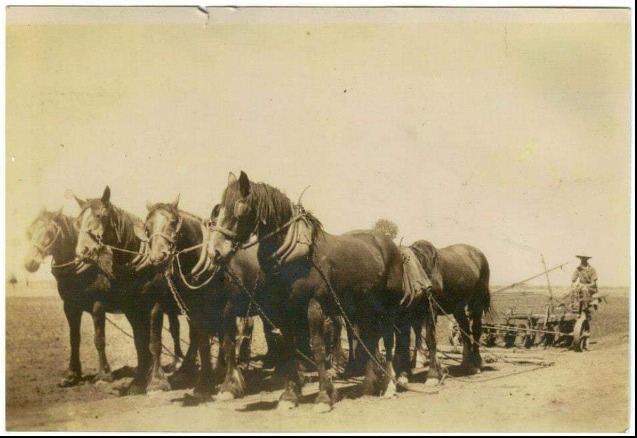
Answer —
(105, 228)
(178, 247)
(53, 234)
(460, 278)
(311, 274)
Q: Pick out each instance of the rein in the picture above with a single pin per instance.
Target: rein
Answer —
(98, 240)
(239, 246)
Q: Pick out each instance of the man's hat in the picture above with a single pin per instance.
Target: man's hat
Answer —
(583, 255)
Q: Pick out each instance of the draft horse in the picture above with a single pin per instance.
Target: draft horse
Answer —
(104, 229)
(311, 274)
(178, 248)
(460, 278)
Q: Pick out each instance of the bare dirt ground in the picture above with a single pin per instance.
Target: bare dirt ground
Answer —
(580, 392)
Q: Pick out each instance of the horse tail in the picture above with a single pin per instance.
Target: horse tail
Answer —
(490, 313)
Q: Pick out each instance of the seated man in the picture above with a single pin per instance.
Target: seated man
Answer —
(586, 275)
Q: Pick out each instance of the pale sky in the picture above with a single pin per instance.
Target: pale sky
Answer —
(505, 129)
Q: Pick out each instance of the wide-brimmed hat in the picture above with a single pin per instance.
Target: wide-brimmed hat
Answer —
(583, 255)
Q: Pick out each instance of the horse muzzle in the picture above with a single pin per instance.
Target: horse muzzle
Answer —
(82, 265)
(32, 265)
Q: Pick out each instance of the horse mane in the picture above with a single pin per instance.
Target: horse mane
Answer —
(122, 222)
(66, 224)
(63, 221)
(173, 210)
(273, 207)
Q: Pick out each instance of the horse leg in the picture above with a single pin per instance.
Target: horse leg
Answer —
(233, 385)
(402, 361)
(338, 354)
(436, 372)
(99, 319)
(390, 373)
(463, 324)
(185, 376)
(290, 368)
(476, 331)
(245, 336)
(139, 321)
(370, 338)
(355, 363)
(74, 319)
(327, 393)
(157, 377)
(205, 382)
(175, 332)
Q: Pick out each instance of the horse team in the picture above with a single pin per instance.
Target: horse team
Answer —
(261, 254)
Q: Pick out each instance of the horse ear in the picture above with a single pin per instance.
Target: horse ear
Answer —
(42, 210)
(106, 196)
(175, 203)
(244, 184)
(59, 211)
(80, 202)
(149, 206)
(231, 178)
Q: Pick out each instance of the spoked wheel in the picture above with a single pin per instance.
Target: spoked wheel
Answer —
(581, 333)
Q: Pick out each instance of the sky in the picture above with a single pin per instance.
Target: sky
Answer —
(505, 129)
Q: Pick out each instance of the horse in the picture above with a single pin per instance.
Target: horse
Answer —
(178, 247)
(106, 229)
(53, 234)
(460, 277)
(311, 274)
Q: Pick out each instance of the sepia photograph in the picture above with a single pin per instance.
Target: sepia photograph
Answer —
(319, 219)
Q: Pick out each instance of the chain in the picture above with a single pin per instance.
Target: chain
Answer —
(183, 277)
(178, 300)
(261, 312)
(358, 338)
(479, 342)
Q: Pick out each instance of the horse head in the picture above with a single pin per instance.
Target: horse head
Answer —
(97, 225)
(161, 230)
(44, 233)
(247, 209)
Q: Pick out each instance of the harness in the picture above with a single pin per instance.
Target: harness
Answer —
(45, 249)
(299, 232)
(139, 262)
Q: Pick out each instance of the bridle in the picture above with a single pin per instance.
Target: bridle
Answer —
(237, 245)
(172, 240)
(44, 250)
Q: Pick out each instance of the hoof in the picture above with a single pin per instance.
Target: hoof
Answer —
(159, 385)
(69, 382)
(183, 379)
(105, 377)
(136, 389)
(321, 408)
(432, 381)
(225, 396)
(469, 370)
(286, 405)
(390, 392)
(175, 365)
(403, 380)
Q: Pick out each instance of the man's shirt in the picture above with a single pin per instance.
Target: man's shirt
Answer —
(586, 274)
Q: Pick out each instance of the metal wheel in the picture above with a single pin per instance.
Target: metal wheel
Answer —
(521, 335)
(581, 333)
